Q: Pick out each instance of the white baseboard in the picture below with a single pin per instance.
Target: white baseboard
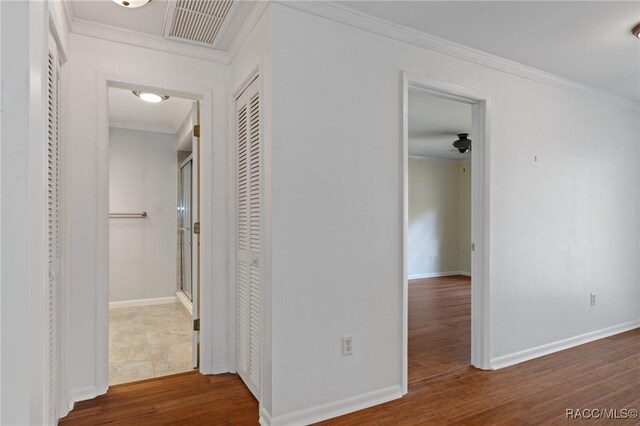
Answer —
(465, 273)
(65, 408)
(437, 274)
(181, 297)
(220, 368)
(332, 409)
(265, 418)
(83, 394)
(549, 348)
(142, 302)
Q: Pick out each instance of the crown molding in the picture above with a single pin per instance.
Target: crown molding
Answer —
(60, 27)
(249, 23)
(135, 38)
(341, 14)
(68, 13)
(161, 44)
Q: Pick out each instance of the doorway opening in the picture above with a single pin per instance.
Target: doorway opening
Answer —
(153, 234)
(445, 256)
(439, 231)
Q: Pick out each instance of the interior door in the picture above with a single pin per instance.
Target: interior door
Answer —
(195, 234)
(53, 226)
(249, 237)
(186, 235)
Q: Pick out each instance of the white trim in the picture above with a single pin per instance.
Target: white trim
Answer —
(219, 368)
(332, 409)
(247, 27)
(84, 394)
(182, 298)
(255, 73)
(404, 358)
(141, 127)
(142, 302)
(437, 274)
(480, 301)
(186, 160)
(66, 402)
(184, 134)
(148, 41)
(549, 348)
(265, 418)
(205, 95)
(59, 29)
(344, 15)
(68, 13)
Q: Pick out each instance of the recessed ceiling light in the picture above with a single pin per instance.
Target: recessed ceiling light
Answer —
(636, 30)
(131, 4)
(150, 97)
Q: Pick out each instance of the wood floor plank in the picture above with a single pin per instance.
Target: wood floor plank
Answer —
(443, 388)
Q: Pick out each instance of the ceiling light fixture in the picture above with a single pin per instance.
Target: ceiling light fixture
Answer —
(150, 97)
(636, 30)
(131, 4)
(463, 144)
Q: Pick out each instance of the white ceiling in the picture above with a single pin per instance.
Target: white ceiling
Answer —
(150, 18)
(434, 124)
(589, 42)
(128, 111)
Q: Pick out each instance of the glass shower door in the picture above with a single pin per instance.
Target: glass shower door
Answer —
(186, 236)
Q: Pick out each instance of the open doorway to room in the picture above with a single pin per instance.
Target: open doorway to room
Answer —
(445, 319)
(153, 249)
(439, 234)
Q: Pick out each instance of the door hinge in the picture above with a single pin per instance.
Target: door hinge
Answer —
(473, 246)
(196, 324)
(196, 228)
(196, 130)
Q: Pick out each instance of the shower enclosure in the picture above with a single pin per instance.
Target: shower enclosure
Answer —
(186, 236)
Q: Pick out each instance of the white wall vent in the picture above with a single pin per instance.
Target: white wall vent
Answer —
(197, 21)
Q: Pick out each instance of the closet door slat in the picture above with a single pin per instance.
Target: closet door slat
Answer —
(249, 238)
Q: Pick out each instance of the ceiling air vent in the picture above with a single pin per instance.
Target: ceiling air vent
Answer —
(198, 22)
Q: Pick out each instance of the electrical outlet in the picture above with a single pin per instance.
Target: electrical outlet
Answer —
(347, 345)
(593, 299)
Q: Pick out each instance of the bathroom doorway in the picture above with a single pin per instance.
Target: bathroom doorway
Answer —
(153, 234)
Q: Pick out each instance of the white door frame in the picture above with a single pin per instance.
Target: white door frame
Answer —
(205, 95)
(195, 300)
(480, 273)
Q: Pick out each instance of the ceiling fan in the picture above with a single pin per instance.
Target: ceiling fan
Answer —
(463, 144)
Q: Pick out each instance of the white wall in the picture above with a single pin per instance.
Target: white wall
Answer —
(23, 211)
(439, 217)
(464, 178)
(91, 60)
(561, 227)
(142, 177)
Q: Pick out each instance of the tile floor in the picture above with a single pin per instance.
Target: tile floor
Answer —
(148, 341)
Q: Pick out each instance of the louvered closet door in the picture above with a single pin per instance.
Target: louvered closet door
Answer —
(53, 207)
(249, 236)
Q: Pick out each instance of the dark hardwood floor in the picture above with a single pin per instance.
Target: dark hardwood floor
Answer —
(184, 399)
(443, 389)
